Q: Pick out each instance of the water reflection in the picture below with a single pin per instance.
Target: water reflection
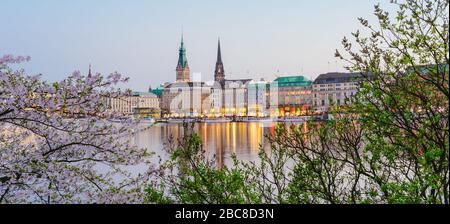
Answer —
(220, 139)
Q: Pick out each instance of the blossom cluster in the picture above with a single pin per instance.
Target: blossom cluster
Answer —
(55, 136)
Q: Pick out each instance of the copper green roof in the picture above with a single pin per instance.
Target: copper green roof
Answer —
(158, 92)
(182, 59)
(292, 81)
(336, 77)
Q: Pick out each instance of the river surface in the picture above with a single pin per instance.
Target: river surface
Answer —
(220, 139)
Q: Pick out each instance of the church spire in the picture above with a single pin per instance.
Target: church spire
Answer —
(219, 73)
(182, 59)
(183, 72)
(182, 40)
(90, 71)
(219, 53)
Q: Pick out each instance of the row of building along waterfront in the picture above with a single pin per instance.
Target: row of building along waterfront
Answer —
(282, 97)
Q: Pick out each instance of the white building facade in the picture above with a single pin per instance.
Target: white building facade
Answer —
(128, 105)
(334, 89)
(186, 99)
(258, 99)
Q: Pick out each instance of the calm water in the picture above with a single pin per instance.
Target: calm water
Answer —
(220, 139)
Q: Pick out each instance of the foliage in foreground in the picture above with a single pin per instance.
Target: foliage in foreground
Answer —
(191, 177)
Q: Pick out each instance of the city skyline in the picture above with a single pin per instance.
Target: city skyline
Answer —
(122, 37)
(224, 103)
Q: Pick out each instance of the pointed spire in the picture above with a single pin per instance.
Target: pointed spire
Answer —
(182, 60)
(182, 39)
(219, 53)
(219, 73)
(90, 70)
(182, 66)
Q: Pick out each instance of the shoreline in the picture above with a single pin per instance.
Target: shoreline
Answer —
(241, 120)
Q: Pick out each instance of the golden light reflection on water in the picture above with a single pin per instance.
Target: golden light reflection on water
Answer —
(220, 139)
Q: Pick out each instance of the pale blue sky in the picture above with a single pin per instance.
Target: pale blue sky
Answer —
(140, 38)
